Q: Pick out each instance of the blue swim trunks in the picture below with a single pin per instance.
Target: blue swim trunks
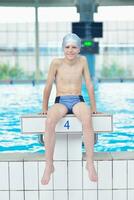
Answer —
(69, 101)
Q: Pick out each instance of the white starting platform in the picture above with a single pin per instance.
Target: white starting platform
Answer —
(69, 124)
(68, 132)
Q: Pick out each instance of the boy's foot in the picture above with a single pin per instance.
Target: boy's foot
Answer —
(49, 169)
(92, 172)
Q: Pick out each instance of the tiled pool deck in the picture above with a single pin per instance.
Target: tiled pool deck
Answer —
(20, 176)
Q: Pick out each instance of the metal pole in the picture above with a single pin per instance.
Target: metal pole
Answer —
(37, 72)
(86, 10)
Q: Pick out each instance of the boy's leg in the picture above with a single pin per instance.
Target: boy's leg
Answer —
(82, 112)
(54, 114)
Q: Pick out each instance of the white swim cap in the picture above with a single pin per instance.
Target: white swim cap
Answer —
(71, 38)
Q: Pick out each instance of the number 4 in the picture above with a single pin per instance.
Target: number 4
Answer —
(66, 125)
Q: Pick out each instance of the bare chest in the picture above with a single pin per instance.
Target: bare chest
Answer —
(69, 73)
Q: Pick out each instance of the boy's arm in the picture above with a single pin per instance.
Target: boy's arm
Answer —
(89, 85)
(48, 86)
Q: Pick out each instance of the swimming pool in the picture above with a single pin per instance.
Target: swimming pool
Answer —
(18, 99)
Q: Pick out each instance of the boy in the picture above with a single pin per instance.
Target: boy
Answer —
(67, 72)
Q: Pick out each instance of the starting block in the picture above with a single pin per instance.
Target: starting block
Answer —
(35, 124)
(69, 132)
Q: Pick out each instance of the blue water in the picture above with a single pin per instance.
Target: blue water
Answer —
(17, 100)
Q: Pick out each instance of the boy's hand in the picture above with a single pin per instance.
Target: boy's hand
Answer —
(97, 112)
(43, 113)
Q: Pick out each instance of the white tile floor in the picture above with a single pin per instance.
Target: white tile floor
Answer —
(16, 176)
(20, 180)
(119, 174)
(4, 176)
(131, 174)
(60, 182)
(105, 175)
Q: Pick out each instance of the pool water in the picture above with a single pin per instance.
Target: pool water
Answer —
(16, 100)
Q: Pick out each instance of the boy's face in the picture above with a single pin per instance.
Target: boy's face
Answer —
(71, 51)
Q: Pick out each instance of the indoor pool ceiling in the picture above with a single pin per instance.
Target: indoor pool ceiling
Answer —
(62, 3)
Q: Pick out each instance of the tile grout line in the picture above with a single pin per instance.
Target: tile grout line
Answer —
(9, 179)
(32, 190)
(23, 171)
(67, 171)
(127, 178)
(53, 185)
(82, 181)
(112, 179)
(97, 182)
(38, 180)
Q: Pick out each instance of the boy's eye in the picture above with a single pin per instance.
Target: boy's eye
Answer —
(73, 47)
